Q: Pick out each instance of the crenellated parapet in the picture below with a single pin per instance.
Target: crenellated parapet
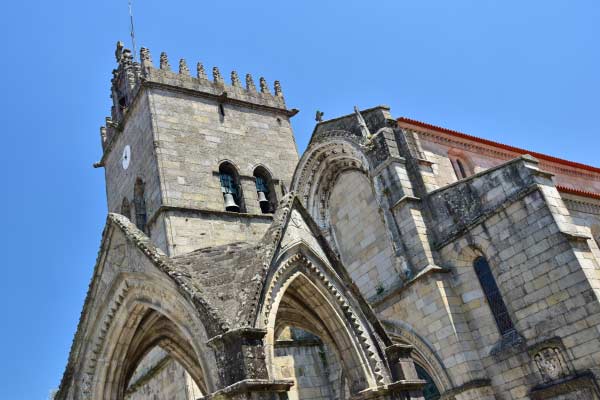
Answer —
(130, 76)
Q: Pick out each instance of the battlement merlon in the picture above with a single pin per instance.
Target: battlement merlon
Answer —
(130, 78)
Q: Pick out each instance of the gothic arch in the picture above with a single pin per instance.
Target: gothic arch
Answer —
(140, 314)
(318, 170)
(423, 353)
(462, 164)
(307, 294)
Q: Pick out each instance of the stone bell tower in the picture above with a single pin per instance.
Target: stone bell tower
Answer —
(193, 161)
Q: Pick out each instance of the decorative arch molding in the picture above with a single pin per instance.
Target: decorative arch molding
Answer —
(116, 336)
(424, 353)
(319, 170)
(365, 349)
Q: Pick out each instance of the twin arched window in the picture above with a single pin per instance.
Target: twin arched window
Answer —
(493, 295)
(231, 188)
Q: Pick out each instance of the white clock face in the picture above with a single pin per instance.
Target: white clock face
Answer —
(126, 157)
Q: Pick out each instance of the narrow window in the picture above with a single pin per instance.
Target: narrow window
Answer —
(139, 202)
(430, 391)
(126, 208)
(493, 295)
(264, 190)
(122, 104)
(461, 169)
(221, 110)
(230, 187)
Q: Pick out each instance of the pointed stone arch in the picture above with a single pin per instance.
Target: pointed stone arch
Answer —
(318, 171)
(309, 295)
(140, 314)
(335, 183)
(424, 352)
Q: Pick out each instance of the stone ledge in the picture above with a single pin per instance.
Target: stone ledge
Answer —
(406, 199)
(381, 392)
(249, 386)
(166, 208)
(569, 385)
(576, 236)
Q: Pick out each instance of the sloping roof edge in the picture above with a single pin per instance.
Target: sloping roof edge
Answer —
(154, 254)
(502, 146)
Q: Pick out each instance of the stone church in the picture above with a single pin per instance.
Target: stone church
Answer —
(392, 260)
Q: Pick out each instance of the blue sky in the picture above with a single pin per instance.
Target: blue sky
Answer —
(521, 72)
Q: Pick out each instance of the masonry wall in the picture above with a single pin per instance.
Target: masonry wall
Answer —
(440, 148)
(138, 134)
(313, 368)
(193, 139)
(159, 377)
(585, 214)
(189, 231)
(360, 234)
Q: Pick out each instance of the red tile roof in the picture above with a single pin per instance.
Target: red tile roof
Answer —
(500, 145)
(578, 192)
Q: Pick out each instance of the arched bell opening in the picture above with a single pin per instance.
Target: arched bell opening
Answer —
(233, 198)
(313, 344)
(265, 190)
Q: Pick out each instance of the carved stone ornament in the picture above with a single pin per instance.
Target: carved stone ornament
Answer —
(550, 363)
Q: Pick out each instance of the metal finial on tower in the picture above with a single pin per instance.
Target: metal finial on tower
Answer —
(132, 30)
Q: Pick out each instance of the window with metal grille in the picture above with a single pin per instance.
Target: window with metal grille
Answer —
(493, 295)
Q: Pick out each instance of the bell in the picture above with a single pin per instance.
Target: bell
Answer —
(230, 204)
(262, 201)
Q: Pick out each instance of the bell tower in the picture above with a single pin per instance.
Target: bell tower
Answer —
(193, 161)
